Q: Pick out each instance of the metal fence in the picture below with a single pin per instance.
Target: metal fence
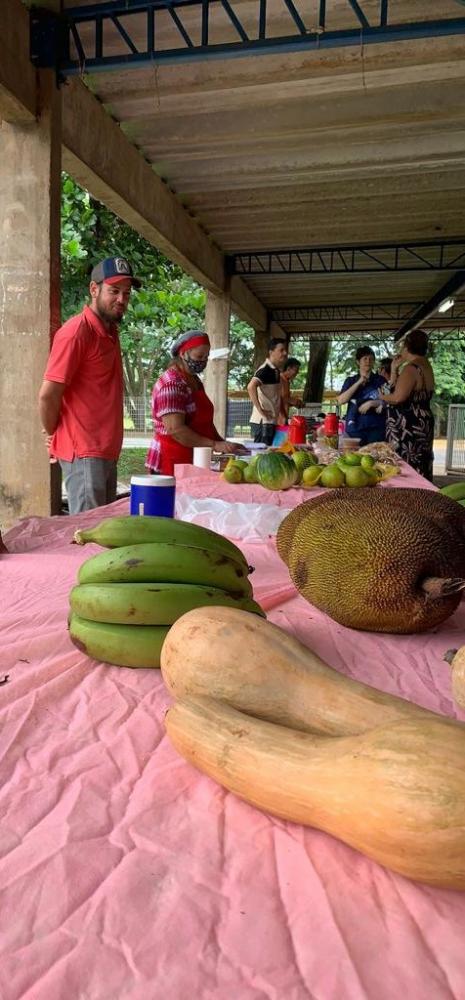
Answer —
(137, 416)
(455, 451)
(238, 418)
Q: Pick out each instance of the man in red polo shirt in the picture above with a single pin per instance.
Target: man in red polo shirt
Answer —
(81, 399)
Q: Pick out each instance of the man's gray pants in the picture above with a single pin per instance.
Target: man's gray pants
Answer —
(89, 483)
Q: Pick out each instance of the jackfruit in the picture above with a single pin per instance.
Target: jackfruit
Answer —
(386, 560)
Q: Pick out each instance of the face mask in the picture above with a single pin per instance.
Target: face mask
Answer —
(194, 366)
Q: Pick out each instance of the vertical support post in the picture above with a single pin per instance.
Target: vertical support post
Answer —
(217, 320)
(30, 185)
(261, 341)
(260, 348)
(316, 371)
(275, 330)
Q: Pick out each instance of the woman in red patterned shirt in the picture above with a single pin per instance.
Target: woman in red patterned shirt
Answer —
(181, 410)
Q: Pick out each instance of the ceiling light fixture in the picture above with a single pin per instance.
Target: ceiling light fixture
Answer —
(446, 305)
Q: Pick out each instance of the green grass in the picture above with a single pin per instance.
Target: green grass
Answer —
(131, 463)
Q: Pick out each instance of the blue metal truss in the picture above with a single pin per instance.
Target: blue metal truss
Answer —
(441, 255)
(83, 38)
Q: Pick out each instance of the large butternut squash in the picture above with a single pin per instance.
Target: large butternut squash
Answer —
(238, 658)
(456, 658)
(396, 793)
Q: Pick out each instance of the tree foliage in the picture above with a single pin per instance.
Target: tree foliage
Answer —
(168, 303)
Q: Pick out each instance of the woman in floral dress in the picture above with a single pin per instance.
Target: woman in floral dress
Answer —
(410, 422)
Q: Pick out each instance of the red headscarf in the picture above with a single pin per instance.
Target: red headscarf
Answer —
(189, 340)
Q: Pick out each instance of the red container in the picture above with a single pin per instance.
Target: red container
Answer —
(331, 424)
(297, 430)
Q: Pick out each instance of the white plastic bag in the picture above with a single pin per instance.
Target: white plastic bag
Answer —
(251, 522)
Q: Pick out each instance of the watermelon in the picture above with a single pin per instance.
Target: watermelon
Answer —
(276, 471)
(302, 460)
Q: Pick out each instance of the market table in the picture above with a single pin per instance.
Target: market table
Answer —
(127, 875)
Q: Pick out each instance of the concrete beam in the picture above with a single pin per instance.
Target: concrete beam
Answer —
(100, 157)
(246, 305)
(18, 100)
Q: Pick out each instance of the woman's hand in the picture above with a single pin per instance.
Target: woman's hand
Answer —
(395, 365)
(368, 405)
(229, 448)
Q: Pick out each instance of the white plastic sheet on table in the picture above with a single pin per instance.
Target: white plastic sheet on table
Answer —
(251, 522)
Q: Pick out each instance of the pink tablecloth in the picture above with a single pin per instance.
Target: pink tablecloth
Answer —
(126, 875)
(201, 482)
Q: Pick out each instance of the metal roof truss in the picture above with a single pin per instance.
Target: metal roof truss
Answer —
(57, 40)
(371, 313)
(442, 255)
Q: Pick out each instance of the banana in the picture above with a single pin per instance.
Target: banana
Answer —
(149, 603)
(114, 532)
(122, 645)
(166, 562)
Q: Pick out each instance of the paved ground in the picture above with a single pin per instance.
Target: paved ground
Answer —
(439, 457)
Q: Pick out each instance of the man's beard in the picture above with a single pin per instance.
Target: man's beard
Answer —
(105, 314)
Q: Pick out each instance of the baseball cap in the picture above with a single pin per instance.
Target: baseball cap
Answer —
(113, 269)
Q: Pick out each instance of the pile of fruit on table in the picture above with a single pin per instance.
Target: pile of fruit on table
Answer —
(281, 468)
(155, 571)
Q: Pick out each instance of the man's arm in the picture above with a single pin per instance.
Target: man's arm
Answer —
(346, 394)
(175, 425)
(285, 399)
(50, 397)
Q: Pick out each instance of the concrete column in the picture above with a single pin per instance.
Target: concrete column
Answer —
(217, 318)
(261, 339)
(275, 330)
(30, 179)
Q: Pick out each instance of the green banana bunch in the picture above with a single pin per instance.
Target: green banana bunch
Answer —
(115, 532)
(456, 491)
(168, 563)
(123, 645)
(149, 603)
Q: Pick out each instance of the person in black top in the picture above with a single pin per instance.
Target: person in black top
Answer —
(410, 422)
(264, 390)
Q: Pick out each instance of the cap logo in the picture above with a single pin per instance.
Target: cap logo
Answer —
(122, 266)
